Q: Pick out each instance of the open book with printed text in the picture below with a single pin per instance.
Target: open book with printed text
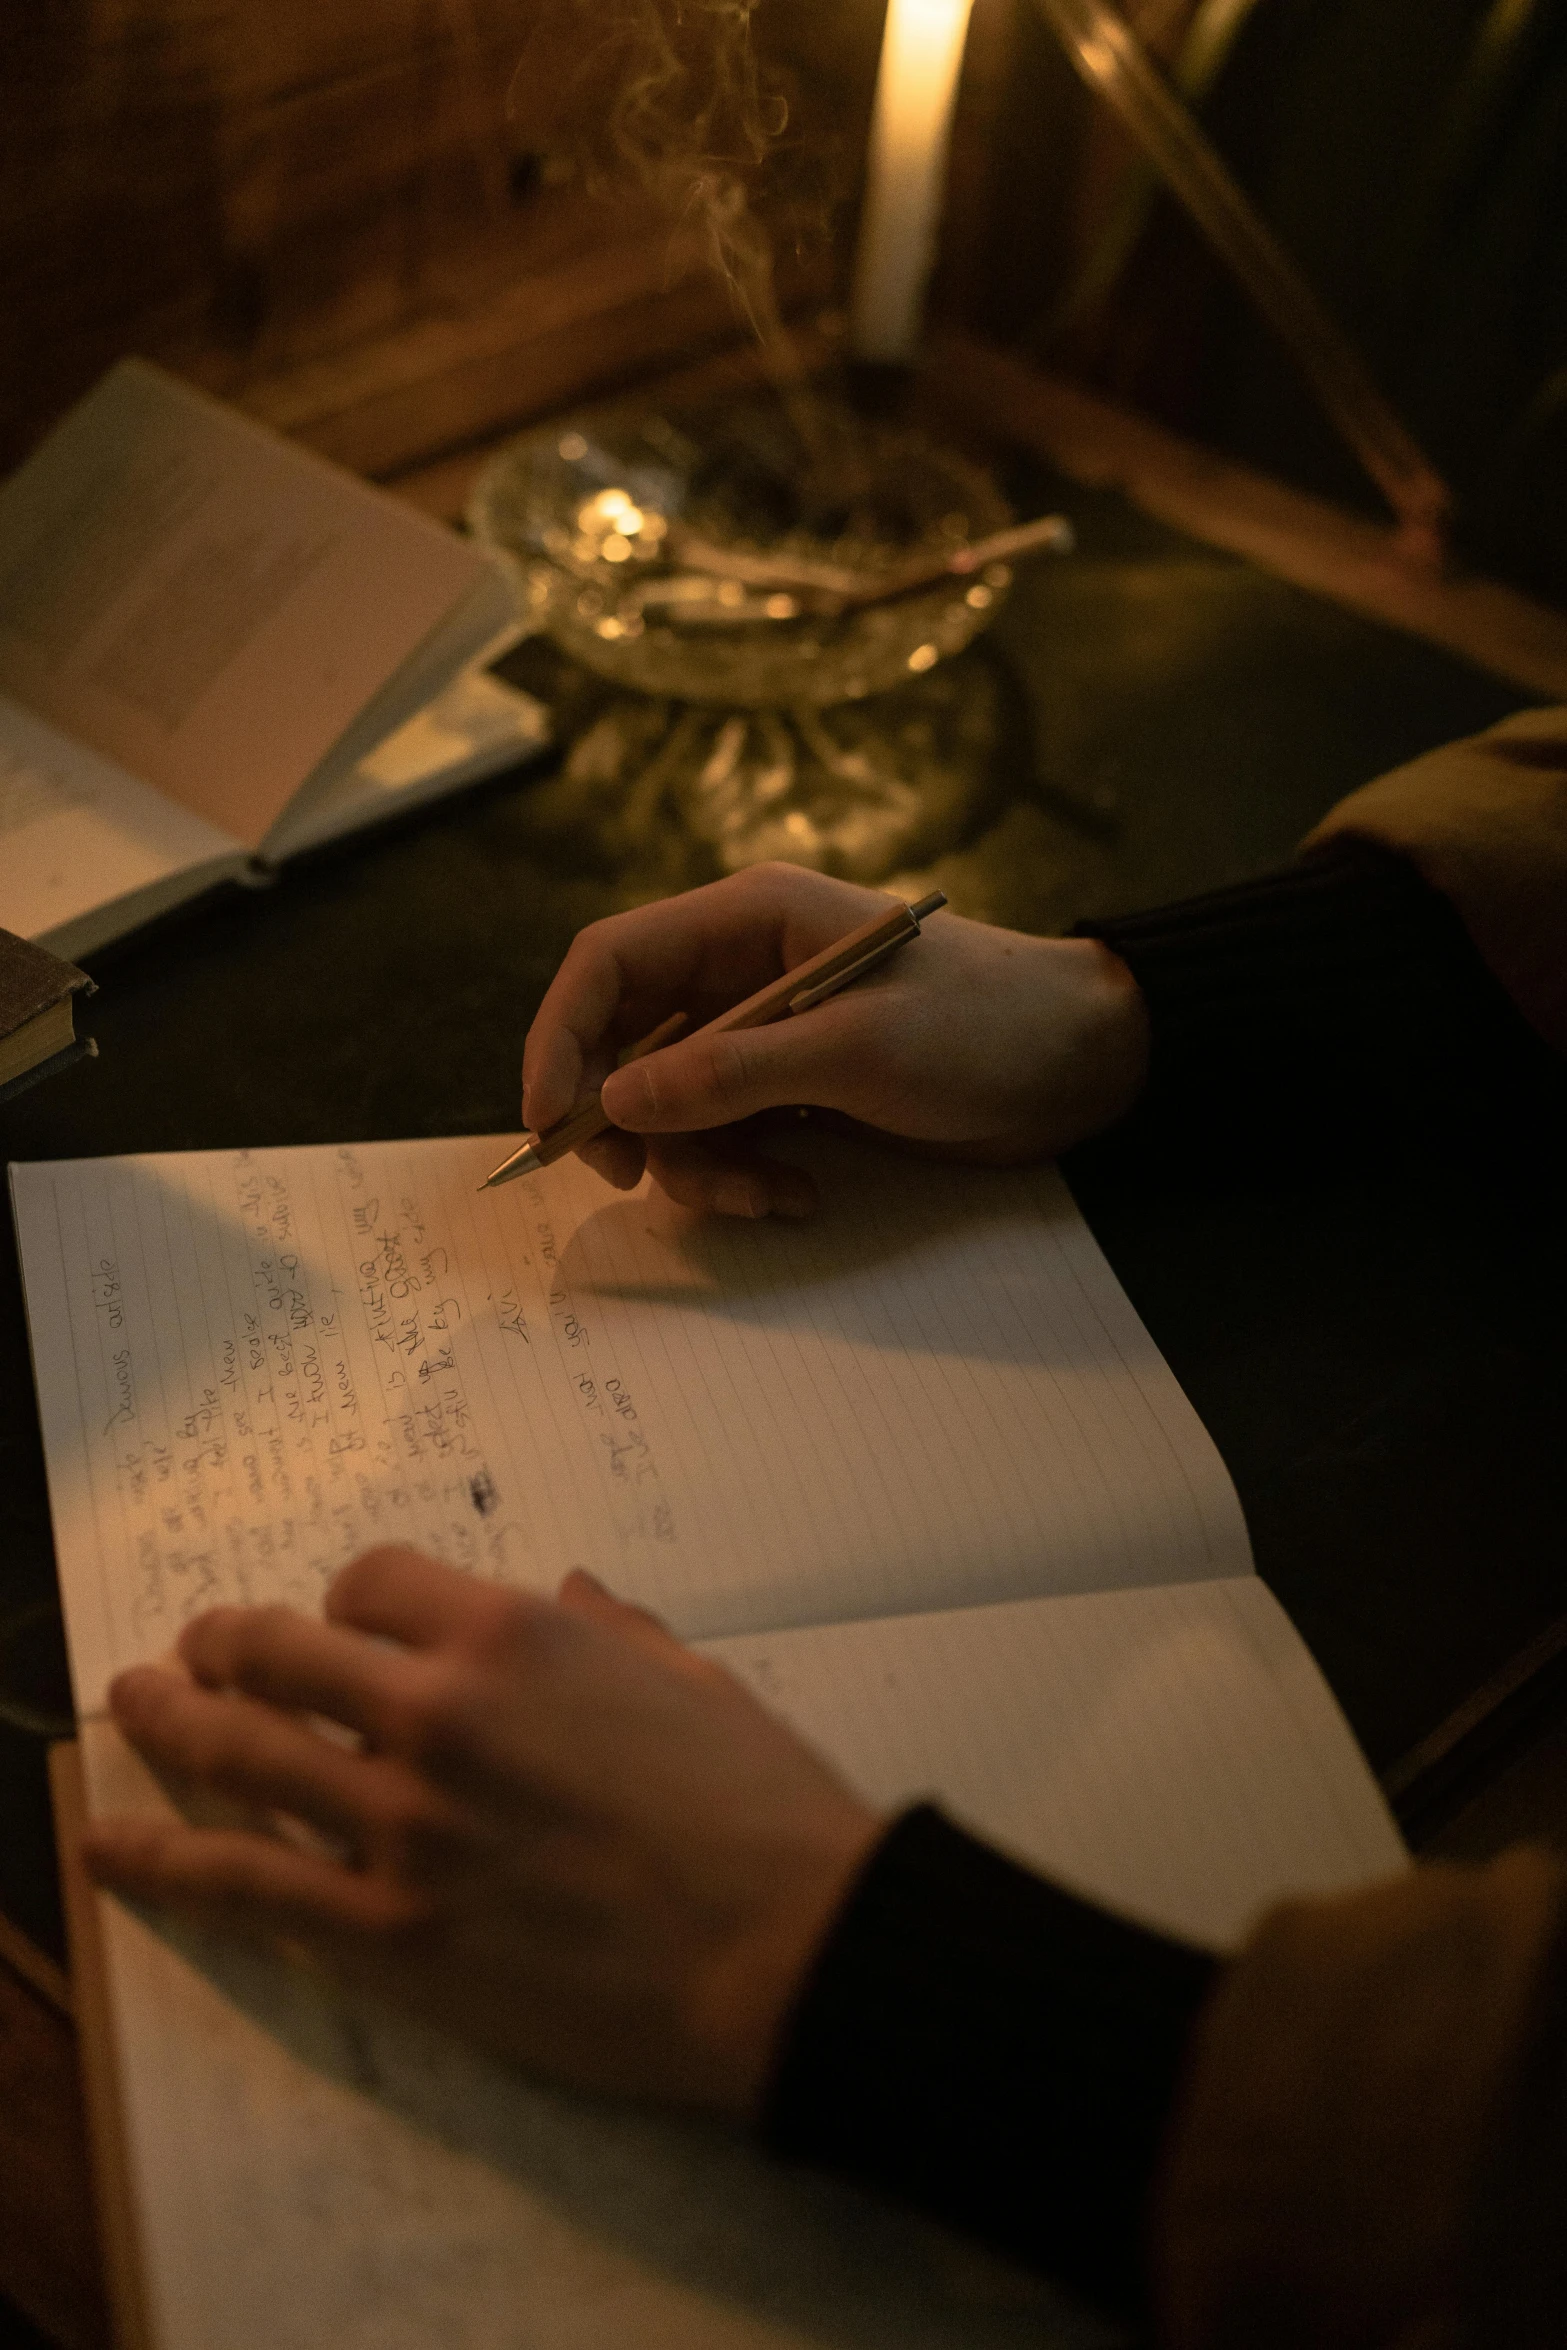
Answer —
(915, 1470)
(218, 650)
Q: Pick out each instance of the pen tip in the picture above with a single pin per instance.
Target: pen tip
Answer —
(521, 1162)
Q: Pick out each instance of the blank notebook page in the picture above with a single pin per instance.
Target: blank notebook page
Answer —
(1173, 1753)
(253, 1364)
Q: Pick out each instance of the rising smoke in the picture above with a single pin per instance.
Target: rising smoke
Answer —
(672, 95)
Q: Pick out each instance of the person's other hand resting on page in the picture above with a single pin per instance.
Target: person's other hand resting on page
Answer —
(561, 1831)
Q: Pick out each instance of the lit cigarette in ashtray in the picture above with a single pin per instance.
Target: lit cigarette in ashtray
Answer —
(833, 587)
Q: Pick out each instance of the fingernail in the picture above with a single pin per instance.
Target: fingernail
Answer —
(627, 1096)
(136, 1680)
(526, 1119)
(735, 1197)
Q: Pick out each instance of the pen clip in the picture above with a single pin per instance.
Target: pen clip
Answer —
(810, 996)
(908, 928)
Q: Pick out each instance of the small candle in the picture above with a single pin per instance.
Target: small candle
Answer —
(911, 131)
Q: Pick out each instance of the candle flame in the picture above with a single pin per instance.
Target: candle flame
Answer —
(916, 95)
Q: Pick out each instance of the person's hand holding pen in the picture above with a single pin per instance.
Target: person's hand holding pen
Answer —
(972, 1042)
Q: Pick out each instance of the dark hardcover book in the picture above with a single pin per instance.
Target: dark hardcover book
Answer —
(37, 1013)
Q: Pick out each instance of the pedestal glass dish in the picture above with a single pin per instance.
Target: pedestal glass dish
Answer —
(682, 559)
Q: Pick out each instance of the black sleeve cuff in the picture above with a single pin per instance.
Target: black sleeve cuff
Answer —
(1340, 994)
(983, 2044)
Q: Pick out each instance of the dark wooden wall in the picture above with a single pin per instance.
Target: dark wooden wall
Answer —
(356, 216)
(360, 218)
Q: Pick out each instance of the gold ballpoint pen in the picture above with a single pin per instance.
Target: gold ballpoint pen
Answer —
(836, 967)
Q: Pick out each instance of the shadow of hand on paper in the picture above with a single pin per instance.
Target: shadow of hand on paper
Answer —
(914, 1258)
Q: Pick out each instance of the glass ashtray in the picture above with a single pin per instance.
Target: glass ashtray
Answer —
(703, 557)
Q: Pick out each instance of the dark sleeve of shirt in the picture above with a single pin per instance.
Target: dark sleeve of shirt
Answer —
(1339, 1003)
(984, 2045)
(973, 2038)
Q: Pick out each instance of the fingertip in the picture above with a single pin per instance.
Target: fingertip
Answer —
(794, 1196)
(202, 1627)
(583, 1595)
(96, 1838)
(118, 1853)
(740, 1195)
(98, 1854)
(582, 1579)
(627, 1096)
(766, 1190)
(200, 1647)
(131, 1693)
(367, 1574)
(551, 1075)
(620, 1159)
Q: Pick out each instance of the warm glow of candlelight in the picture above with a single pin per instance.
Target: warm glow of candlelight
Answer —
(921, 60)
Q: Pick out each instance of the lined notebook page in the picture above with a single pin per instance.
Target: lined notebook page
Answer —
(311, 2174)
(310, 2170)
(1173, 1753)
(251, 1365)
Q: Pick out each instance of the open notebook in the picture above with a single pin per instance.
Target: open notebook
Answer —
(915, 1469)
(217, 650)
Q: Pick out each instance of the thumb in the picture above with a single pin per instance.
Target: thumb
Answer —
(716, 1080)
